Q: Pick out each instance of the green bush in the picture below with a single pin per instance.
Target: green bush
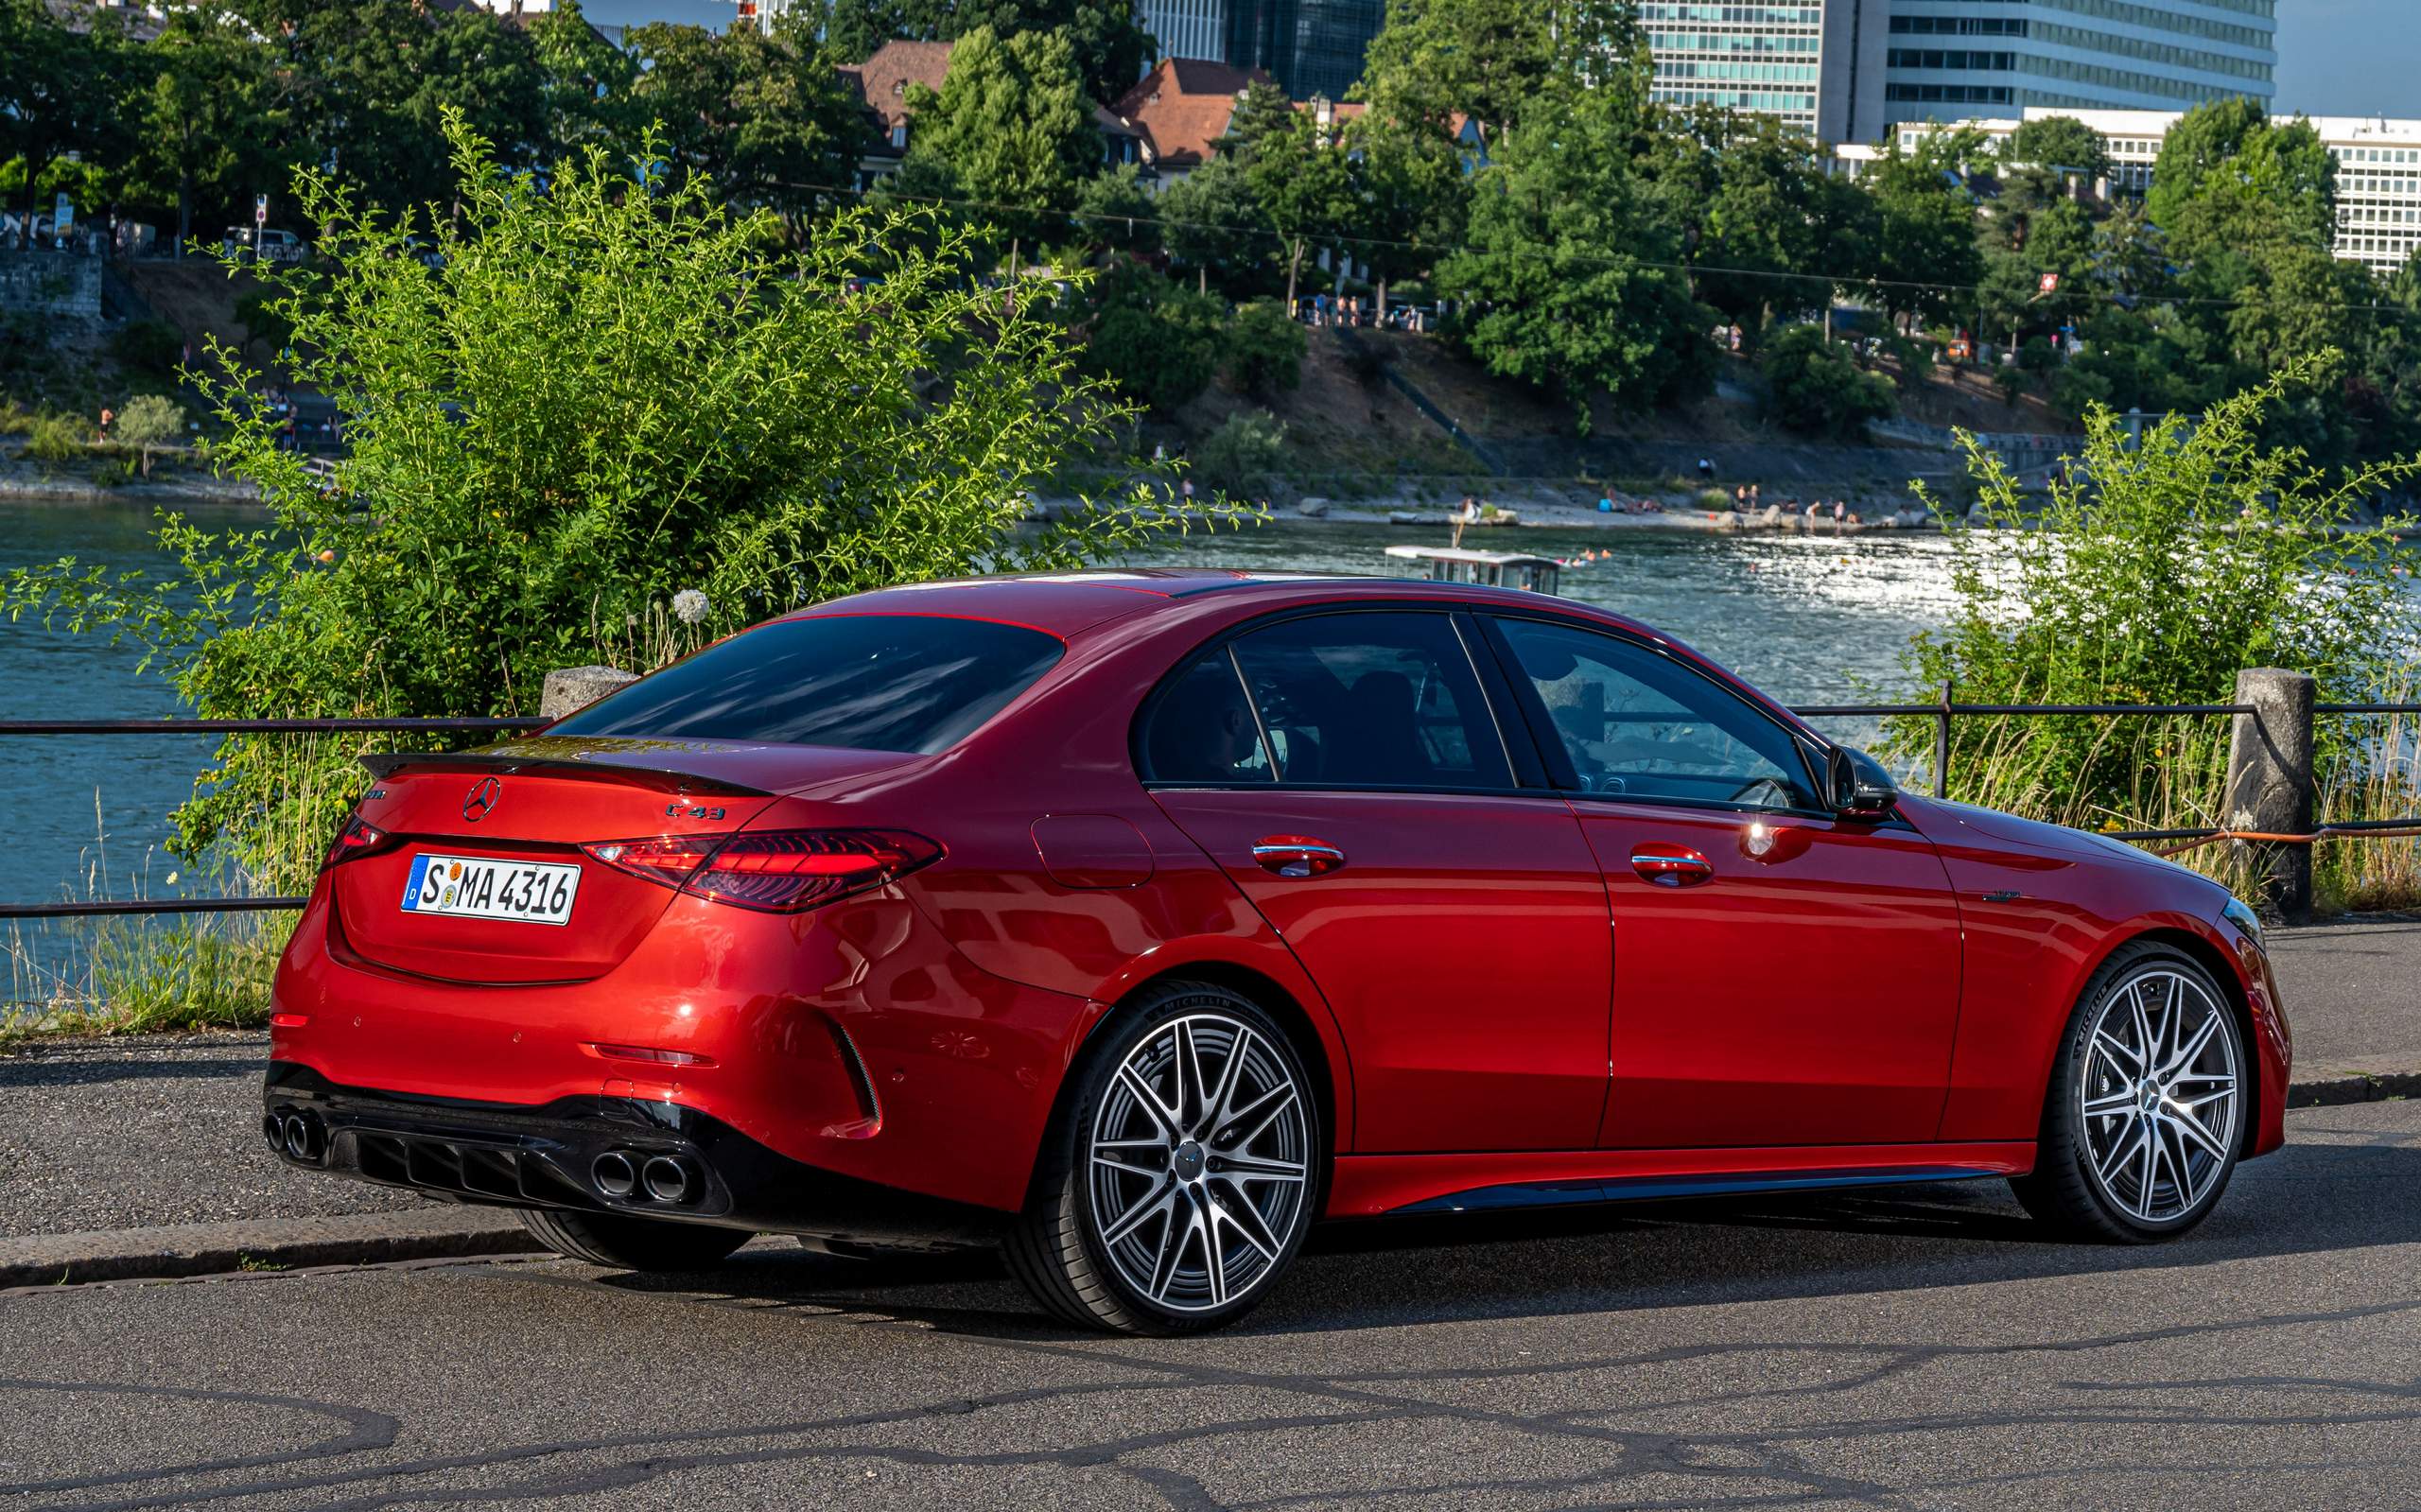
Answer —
(2153, 576)
(1243, 451)
(2037, 355)
(598, 398)
(1815, 386)
(1157, 342)
(2009, 381)
(151, 421)
(1264, 349)
(54, 439)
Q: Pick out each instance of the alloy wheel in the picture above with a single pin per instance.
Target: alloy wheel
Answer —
(1197, 1163)
(2160, 1099)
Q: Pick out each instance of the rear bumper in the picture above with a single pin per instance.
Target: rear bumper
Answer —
(513, 1156)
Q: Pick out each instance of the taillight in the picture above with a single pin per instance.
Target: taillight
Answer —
(781, 871)
(358, 837)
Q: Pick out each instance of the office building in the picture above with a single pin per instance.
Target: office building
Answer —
(1951, 59)
(1309, 46)
(1815, 63)
(1188, 28)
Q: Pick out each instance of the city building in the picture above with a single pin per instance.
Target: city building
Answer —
(1182, 108)
(2378, 169)
(1188, 28)
(1309, 46)
(1817, 65)
(764, 12)
(1951, 59)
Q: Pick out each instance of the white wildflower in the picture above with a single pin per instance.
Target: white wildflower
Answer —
(690, 607)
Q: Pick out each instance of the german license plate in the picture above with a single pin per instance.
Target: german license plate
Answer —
(489, 887)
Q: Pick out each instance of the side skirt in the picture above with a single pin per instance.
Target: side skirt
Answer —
(1367, 1186)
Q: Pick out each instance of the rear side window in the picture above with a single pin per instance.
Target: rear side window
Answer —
(910, 683)
(1203, 731)
(1371, 700)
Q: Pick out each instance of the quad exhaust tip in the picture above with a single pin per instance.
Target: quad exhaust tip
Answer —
(667, 1180)
(299, 1135)
(613, 1175)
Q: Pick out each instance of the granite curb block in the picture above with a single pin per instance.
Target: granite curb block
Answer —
(209, 1249)
(373, 1238)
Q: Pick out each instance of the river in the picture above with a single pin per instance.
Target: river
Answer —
(1808, 619)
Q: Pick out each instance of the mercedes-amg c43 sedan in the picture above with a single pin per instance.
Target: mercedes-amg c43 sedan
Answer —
(1135, 921)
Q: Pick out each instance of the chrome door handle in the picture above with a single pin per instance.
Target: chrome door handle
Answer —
(1671, 865)
(1297, 856)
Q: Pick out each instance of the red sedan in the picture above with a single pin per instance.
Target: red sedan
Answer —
(1133, 921)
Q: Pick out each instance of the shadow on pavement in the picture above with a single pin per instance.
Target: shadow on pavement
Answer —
(2310, 1198)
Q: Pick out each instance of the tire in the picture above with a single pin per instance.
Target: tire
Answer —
(621, 1242)
(1146, 1169)
(2127, 1160)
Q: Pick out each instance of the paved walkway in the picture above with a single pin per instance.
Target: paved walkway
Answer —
(165, 1131)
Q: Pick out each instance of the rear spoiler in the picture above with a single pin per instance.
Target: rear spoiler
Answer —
(592, 759)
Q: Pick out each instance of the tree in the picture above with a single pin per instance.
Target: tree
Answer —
(1408, 198)
(149, 421)
(1815, 386)
(1211, 222)
(1778, 229)
(1925, 240)
(598, 398)
(586, 81)
(59, 91)
(2060, 145)
(1011, 128)
(1560, 268)
(1116, 213)
(1434, 59)
(204, 126)
(1300, 180)
(1107, 38)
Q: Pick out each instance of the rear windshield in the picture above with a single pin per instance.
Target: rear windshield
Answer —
(863, 682)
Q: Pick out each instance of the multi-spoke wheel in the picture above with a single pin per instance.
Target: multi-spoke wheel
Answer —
(1184, 1173)
(2145, 1116)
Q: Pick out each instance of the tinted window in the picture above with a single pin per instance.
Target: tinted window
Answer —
(1372, 700)
(864, 681)
(1639, 724)
(1202, 730)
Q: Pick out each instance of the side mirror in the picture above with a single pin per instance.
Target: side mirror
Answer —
(1860, 787)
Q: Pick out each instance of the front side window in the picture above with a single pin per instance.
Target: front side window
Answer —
(1641, 725)
(909, 683)
(1371, 700)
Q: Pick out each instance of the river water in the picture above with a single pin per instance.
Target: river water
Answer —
(1811, 620)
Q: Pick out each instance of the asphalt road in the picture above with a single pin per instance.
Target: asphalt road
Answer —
(1918, 1349)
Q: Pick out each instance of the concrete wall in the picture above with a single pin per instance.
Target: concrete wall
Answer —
(50, 283)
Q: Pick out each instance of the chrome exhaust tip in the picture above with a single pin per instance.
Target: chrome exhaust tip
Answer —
(667, 1180)
(273, 1130)
(302, 1137)
(613, 1175)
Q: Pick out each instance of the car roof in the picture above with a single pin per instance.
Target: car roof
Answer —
(1067, 603)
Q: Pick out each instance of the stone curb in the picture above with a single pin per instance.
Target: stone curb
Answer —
(2337, 1090)
(209, 1249)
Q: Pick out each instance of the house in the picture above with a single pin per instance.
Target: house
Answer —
(883, 82)
(1180, 109)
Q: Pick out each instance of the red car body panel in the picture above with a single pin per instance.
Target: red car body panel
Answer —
(1489, 993)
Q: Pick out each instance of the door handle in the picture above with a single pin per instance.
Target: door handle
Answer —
(1297, 856)
(1668, 866)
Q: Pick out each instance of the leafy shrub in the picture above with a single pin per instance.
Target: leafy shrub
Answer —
(1815, 386)
(2009, 381)
(1241, 452)
(148, 349)
(2036, 355)
(2153, 576)
(597, 398)
(55, 438)
(1157, 342)
(1264, 349)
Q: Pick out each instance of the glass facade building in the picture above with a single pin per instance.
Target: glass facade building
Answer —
(1188, 28)
(1309, 46)
(1949, 59)
(1815, 63)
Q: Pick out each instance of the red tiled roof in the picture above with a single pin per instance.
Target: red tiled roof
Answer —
(1181, 107)
(882, 79)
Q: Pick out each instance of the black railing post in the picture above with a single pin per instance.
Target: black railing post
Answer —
(1941, 744)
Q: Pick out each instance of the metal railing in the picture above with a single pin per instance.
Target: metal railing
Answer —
(1942, 711)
